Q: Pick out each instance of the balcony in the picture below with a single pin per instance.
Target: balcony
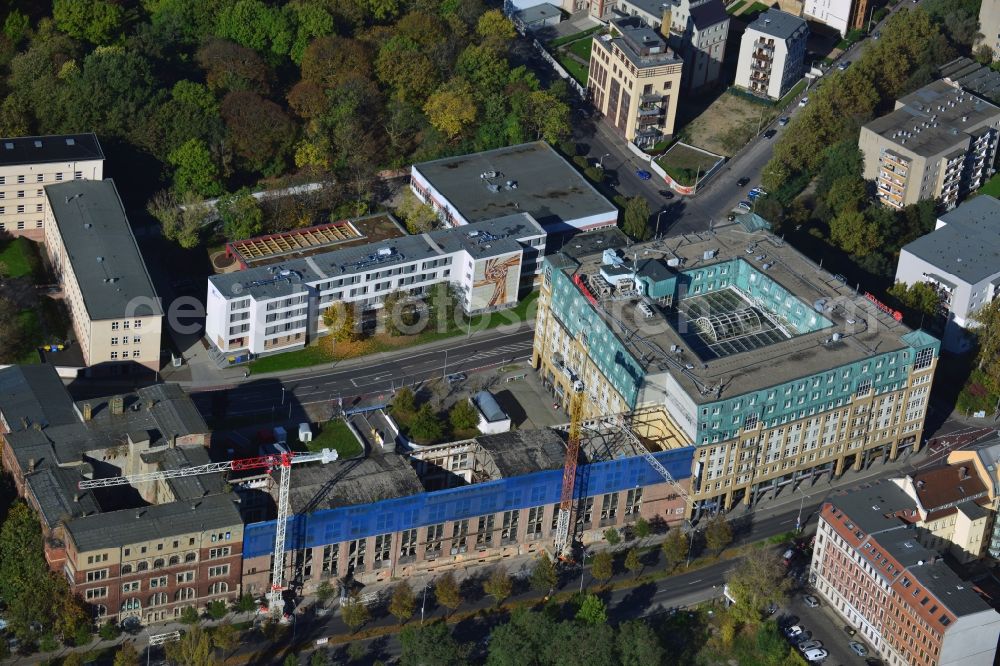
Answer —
(763, 55)
(646, 111)
(650, 121)
(763, 46)
(651, 98)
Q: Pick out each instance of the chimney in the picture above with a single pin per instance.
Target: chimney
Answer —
(963, 473)
(117, 405)
(173, 441)
(31, 465)
(88, 411)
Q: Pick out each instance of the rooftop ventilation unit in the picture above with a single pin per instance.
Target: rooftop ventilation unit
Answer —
(8, 145)
(38, 144)
(709, 254)
(489, 174)
(70, 142)
(384, 251)
(473, 234)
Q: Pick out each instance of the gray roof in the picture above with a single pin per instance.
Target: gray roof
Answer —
(55, 490)
(655, 269)
(489, 407)
(870, 505)
(708, 14)
(635, 37)
(102, 250)
(548, 188)
(972, 76)
(351, 482)
(110, 530)
(953, 593)
(954, 112)
(988, 453)
(524, 451)
(186, 487)
(31, 394)
(654, 7)
(778, 24)
(537, 13)
(47, 149)
(483, 239)
(968, 246)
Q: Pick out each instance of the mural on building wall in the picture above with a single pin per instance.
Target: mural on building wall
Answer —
(495, 281)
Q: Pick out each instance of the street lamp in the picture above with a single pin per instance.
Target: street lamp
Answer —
(798, 520)
(583, 567)
(600, 162)
(444, 373)
(657, 234)
(282, 395)
(423, 604)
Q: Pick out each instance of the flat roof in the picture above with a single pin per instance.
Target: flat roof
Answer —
(973, 77)
(521, 452)
(50, 148)
(548, 187)
(708, 14)
(968, 246)
(102, 250)
(488, 238)
(864, 330)
(536, 13)
(654, 7)
(777, 23)
(636, 36)
(949, 113)
(351, 482)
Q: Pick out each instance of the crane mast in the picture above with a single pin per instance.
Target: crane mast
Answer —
(562, 544)
(282, 461)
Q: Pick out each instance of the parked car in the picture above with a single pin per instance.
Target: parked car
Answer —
(805, 646)
(788, 556)
(666, 194)
(849, 630)
(794, 630)
(456, 378)
(745, 205)
(771, 609)
(803, 637)
(811, 601)
(769, 134)
(816, 655)
(803, 101)
(858, 648)
(760, 191)
(876, 35)
(783, 120)
(844, 65)
(743, 182)
(642, 174)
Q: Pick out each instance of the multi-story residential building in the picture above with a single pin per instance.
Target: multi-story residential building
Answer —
(989, 26)
(528, 178)
(841, 15)
(393, 515)
(907, 603)
(116, 313)
(695, 29)
(278, 307)
(634, 82)
(29, 163)
(772, 367)
(961, 259)
(984, 459)
(938, 143)
(772, 54)
(147, 551)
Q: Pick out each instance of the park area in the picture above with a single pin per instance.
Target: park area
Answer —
(337, 436)
(686, 164)
(573, 53)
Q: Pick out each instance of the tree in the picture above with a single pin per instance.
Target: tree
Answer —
(328, 62)
(846, 193)
(225, 637)
(194, 169)
(229, 66)
(96, 21)
(718, 533)
(602, 566)
(635, 219)
(499, 585)
(399, 313)
(258, 129)
(549, 116)
(291, 660)
(181, 219)
(256, 25)
(494, 28)
(354, 613)
(24, 576)
(325, 592)
(404, 402)
(921, 297)
(193, 649)
(463, 416)
(319, 658)
(451, 108)
(416, 215)
(641, 528)
(638, 645)
(544, 576)
(426, 427)
(109, 631)
(241, 214)
(245, 603)
(612, 536)
(592, 610)
(430, 645)
(675, 548)
(13, 336)
(190, 615)
(403, 65)
(447, 592)
(126, 655)
(73, 659)
(402, 602)
(632, 562)
(852, 233)
(987, 338)
(340, 321)
(217, 609)
(756, 582)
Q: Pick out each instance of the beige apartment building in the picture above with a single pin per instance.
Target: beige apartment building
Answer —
(634, 81)
(29, 163)
(938, 143)
(116, 313)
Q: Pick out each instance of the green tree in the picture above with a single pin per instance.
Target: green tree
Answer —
(404, 66)
(329, 62)
(430, 645)
(463, 416)
(404, 401)
(447, 591)
(416, 215)
(499, 585)
(756, 582)
(402, 603)
(16, 26)
(635, 218)
(399, 313)
(73, 659)
(181, 220)
(96, 21)
(190, 615)
(612, 536)
(675, 548)
(641, 528)
(987, 341)
(718, 533)
(319, 658)
(426, 426)
(451, 108)
(24, 575)
(230, 67)
(193, 649)
(245, 603)
(847, 193)
(632, 562)
(259, 130)
(354, 613)
(592, 610)
(638, 645)
(549, 116)
(495, 28)
(109, 631)
(194, 169)
(325, 592)
(256, 25)
(241, 214)
(543, 575)
(920, 297)
(126, 655)
(602, 565)
(291, 660)
(854, 234)
(339, 319)
(225, 637)
(14, 339)
(217, 609)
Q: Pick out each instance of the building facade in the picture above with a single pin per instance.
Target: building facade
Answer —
(279, 307)
(29, 163)
(984, 458)
(905, 601)
(116, 314)
(772, 54)
(939, 143)
(841, 15)
(766, 371)
(634, 82)
(961, 260)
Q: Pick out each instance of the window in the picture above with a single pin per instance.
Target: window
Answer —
(633, 501)
(58, 176)
(484, 530)
(100, 574)
(585, 515)
(114, 326)
(157, 582)
(20, 194)
(174, 559)
(40, 178)
(923, 358)
(184, 594)
(141, 566)
(126, 569)
(216, 553)
(158, 599)
(114, 341)
(158, 563)
(535, 521)
(20, 208)
(185, 577)
(408, 543)
(137, 323)
(435, 533)
(221, 570)
(131, 604)
(509, 530)
(356, 554)
(78, 175)
(95, 593)
(136, 353)
(20, 179)
(330, 554)
(218, 588)
(134, 586)
(190, 557)
(609, 506)
(383, 546)
(459, 532)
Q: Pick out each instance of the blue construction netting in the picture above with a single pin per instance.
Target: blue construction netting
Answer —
(535, 489)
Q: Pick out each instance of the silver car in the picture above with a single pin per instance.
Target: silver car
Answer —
(805, 646)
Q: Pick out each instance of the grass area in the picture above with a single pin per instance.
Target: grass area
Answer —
(582, 47)
(755, 8)
(735, 7)
(992, 186)
(574, 37)
(683, 164)
(792, 94)
(19, 258)
(852, 38)
(32, 328)
(975, 396)
(575, 69)
(336, 435)
(318, 353)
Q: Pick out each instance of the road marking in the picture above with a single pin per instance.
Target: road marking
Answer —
(696, 581)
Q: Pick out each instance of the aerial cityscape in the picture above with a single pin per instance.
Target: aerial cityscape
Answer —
(446, 332)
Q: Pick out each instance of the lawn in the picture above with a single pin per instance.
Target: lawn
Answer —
(575, 69)
(33, 336)
(755, 8)
(317, 353)
(336, 435)
(19, 257)
(792, 94)
(574, 37)
(683, 164)
(735, 7)
(992, 186)
(582, 48)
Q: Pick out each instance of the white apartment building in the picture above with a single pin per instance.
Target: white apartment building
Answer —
(772, 54)
(279, 307)
(961, 258)
(116, 313)
(841, 15)
(29, 163)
